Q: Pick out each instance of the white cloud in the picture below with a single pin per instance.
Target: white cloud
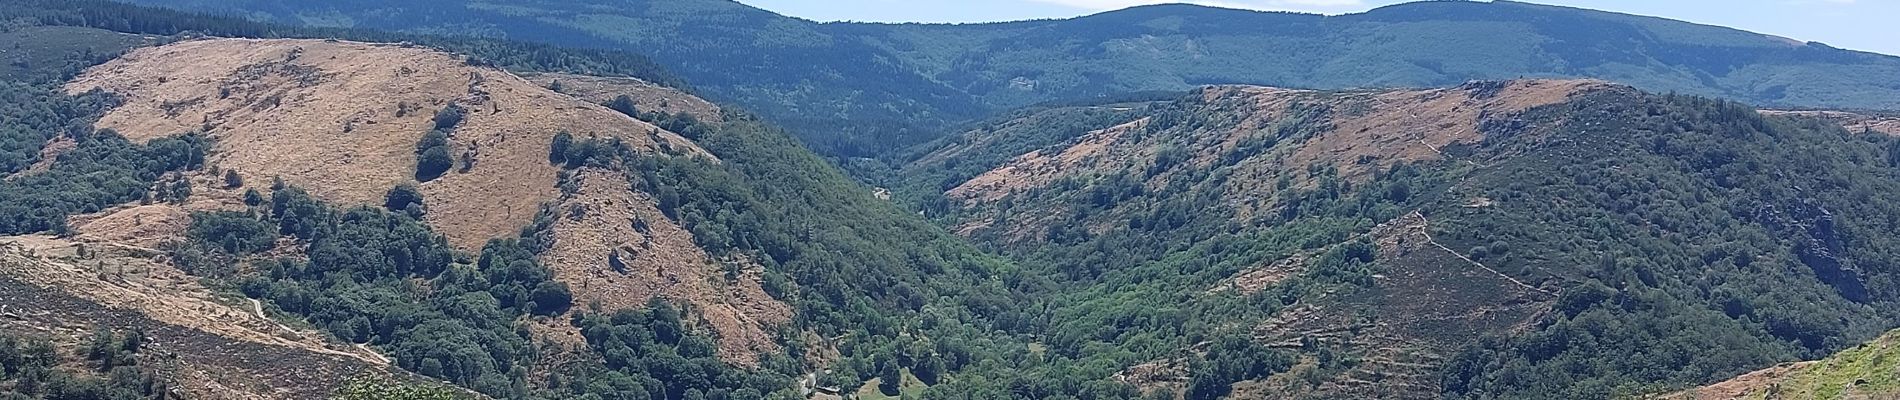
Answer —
(1318, 6)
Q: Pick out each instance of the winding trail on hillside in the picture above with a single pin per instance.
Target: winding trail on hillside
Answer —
(373, 354)
(190, 309)
(1426, 230)
(373, 357)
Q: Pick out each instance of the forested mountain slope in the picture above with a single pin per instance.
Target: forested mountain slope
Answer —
(1521, 239)
(852, 89)
(85, 316)
(524, 221)
(445, 217)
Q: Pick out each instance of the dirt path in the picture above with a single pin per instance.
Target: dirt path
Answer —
(380, 359)
(162, 297)
(364, 350)
(210, 364)
(258, 308)
(1426, 230)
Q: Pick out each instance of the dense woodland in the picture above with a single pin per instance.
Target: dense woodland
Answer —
(1699, 240)
(1696, 239)
(101, 170)
(105, 367)
(1137, 291)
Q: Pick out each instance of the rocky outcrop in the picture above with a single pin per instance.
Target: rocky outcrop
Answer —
(1816, 243)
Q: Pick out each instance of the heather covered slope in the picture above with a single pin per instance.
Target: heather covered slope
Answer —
(1526, 239)
(856, 89)
(196, 343)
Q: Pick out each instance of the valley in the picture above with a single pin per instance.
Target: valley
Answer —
(1413, 214)
(437, 200)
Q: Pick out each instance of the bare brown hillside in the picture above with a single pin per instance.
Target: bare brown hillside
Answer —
(646, 96)
(1354, 133)
(614, 247)
(1414, 125)
(148, 226)
(1038, 168)
(1364, 131)
(342, 119)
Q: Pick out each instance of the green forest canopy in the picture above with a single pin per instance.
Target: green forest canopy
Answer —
(1718, 224)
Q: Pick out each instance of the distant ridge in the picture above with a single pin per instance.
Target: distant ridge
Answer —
(866, 89)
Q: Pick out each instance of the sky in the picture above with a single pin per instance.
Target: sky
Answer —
(1867, 25)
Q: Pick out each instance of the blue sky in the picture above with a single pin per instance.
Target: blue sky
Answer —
(1853, 24)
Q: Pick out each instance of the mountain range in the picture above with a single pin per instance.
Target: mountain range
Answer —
(863, 90)
(697, 199)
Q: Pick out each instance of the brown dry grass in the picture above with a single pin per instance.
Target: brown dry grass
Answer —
(145, 226)
(1036, 169)
(341, 119)
(985, 137)
(1371, 131)
(148, 225)
(1397, 126)
(210, 346)
(646, 95)
(1413, 125)
(1742, 386)
(602, 222)
(1358, 134)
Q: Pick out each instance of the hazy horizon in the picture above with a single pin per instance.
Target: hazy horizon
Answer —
(1848, 24)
